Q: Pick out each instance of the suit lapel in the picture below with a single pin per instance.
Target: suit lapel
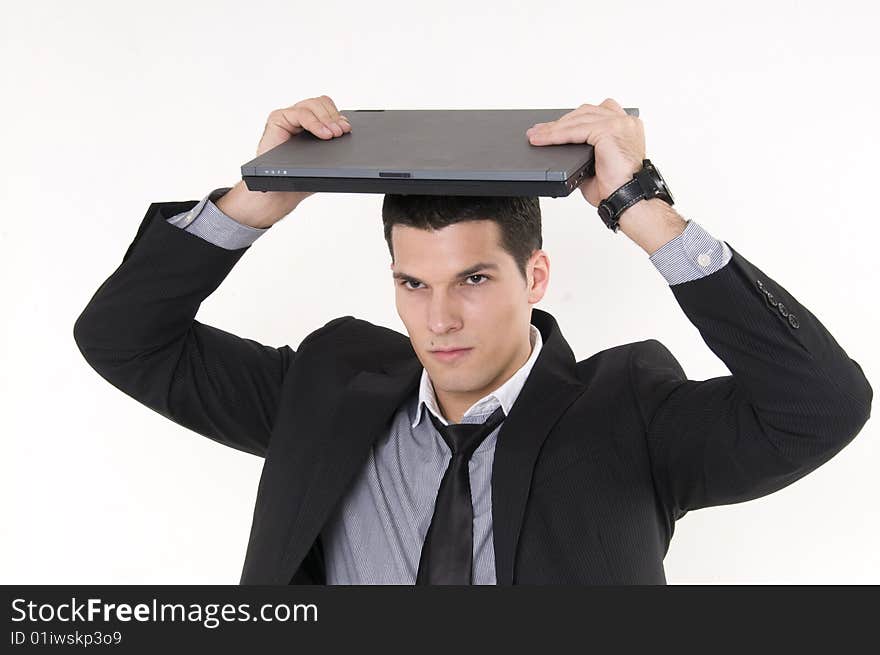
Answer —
(551, 386)
(364, 410)
(370, 401)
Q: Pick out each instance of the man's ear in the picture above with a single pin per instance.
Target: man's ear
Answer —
(538, 271)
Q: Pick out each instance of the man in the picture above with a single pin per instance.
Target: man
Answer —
(477, 450)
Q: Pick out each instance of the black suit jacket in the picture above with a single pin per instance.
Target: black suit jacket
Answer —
(595, 463)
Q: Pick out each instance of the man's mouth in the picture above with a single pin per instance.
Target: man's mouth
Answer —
(450, 355)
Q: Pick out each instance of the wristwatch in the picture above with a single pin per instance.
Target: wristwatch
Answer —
(647, 183)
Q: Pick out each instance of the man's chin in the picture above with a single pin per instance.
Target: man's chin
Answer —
(458, 382)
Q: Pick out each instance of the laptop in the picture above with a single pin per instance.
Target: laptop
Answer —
(428, 152)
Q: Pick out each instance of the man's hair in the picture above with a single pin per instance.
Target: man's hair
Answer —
(518, 218)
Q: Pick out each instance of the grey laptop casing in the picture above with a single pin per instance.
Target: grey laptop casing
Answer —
(427, 151)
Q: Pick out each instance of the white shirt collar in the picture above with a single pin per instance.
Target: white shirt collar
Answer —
(504, 395)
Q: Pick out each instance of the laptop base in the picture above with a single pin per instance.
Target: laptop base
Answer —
(555, 189)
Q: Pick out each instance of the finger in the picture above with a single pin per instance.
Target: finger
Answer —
(329, 115)
(307, 117)
(322, 113)
(612, 104)
(328, 103)
(596, 111)
(286, 120)
(339, 118)
(586, 109)
(584, 131)
(585, 115)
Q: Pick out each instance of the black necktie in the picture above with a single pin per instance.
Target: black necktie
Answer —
(447, 554)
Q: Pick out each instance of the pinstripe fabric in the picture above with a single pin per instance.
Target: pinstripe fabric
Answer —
(693, 254)
(215, 226)
(376, 532)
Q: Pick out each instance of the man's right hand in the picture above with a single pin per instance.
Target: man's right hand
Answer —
(262, 209)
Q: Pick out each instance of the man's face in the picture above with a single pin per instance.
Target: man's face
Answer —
(456, 287)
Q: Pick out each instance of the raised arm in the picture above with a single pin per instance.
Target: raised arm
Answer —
(139, 330)
(794, 399)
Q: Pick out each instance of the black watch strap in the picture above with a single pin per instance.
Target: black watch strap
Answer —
(614, 205)
(642, 186)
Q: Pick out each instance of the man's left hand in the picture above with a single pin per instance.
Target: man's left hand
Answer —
(618, 141)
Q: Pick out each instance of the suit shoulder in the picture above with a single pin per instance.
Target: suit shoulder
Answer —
(645, 354)
(644, 348)
(650, 348)
(348, 336)
(651, 356)
(328, 328)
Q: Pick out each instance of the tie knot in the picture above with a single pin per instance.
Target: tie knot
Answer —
(464, 438)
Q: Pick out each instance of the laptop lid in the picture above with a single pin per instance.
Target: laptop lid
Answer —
(427, 151)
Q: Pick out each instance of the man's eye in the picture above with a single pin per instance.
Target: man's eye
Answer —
(405, 283)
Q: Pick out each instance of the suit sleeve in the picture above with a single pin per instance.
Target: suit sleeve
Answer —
(139, 333)
(793, 400)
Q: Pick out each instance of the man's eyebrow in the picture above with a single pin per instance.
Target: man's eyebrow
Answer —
(481, 266)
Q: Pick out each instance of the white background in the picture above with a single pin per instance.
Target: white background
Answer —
(761, 116)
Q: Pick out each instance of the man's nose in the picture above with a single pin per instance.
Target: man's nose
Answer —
(443, 314)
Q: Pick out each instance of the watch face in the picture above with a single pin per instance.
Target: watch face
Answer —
(661, 183)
